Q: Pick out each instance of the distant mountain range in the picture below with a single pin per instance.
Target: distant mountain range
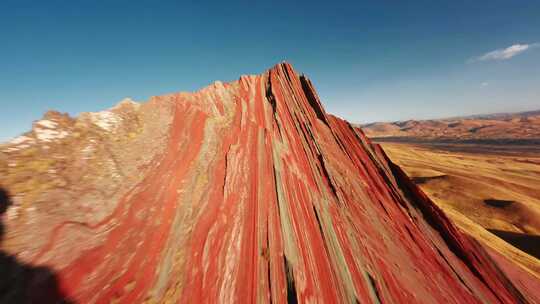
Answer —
(522, 127)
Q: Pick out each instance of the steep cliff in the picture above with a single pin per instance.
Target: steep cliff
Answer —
(242, 192)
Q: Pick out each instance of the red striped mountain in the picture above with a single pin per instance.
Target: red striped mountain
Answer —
(241, 192)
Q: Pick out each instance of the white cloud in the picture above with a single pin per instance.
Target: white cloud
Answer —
(484, 84)
(506, 53)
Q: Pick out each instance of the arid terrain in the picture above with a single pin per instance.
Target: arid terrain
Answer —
(493, 189)
(483, 171)
(504, 128)
(241, 192)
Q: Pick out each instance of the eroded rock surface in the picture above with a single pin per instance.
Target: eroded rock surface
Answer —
(241, 192)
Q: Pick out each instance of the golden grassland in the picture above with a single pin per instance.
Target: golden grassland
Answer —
(489, 193)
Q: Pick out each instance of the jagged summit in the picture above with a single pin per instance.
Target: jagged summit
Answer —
(245, 191)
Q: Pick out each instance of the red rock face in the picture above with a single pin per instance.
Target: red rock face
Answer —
(261, 196)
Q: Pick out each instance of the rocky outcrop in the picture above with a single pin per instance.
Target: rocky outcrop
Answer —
(242, 192)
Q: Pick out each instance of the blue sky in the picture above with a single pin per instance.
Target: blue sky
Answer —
(370, 60)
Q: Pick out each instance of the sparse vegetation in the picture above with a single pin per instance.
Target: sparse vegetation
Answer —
(482, 187)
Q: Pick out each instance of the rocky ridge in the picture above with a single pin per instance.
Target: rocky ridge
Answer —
(241, 192)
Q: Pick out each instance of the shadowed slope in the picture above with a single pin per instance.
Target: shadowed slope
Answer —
(260, 196)
(485, 191)
(23, 283)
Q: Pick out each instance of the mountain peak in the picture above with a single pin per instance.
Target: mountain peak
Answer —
(242, 191)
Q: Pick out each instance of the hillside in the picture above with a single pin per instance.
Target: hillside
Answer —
(241, 192)
(521, 128)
